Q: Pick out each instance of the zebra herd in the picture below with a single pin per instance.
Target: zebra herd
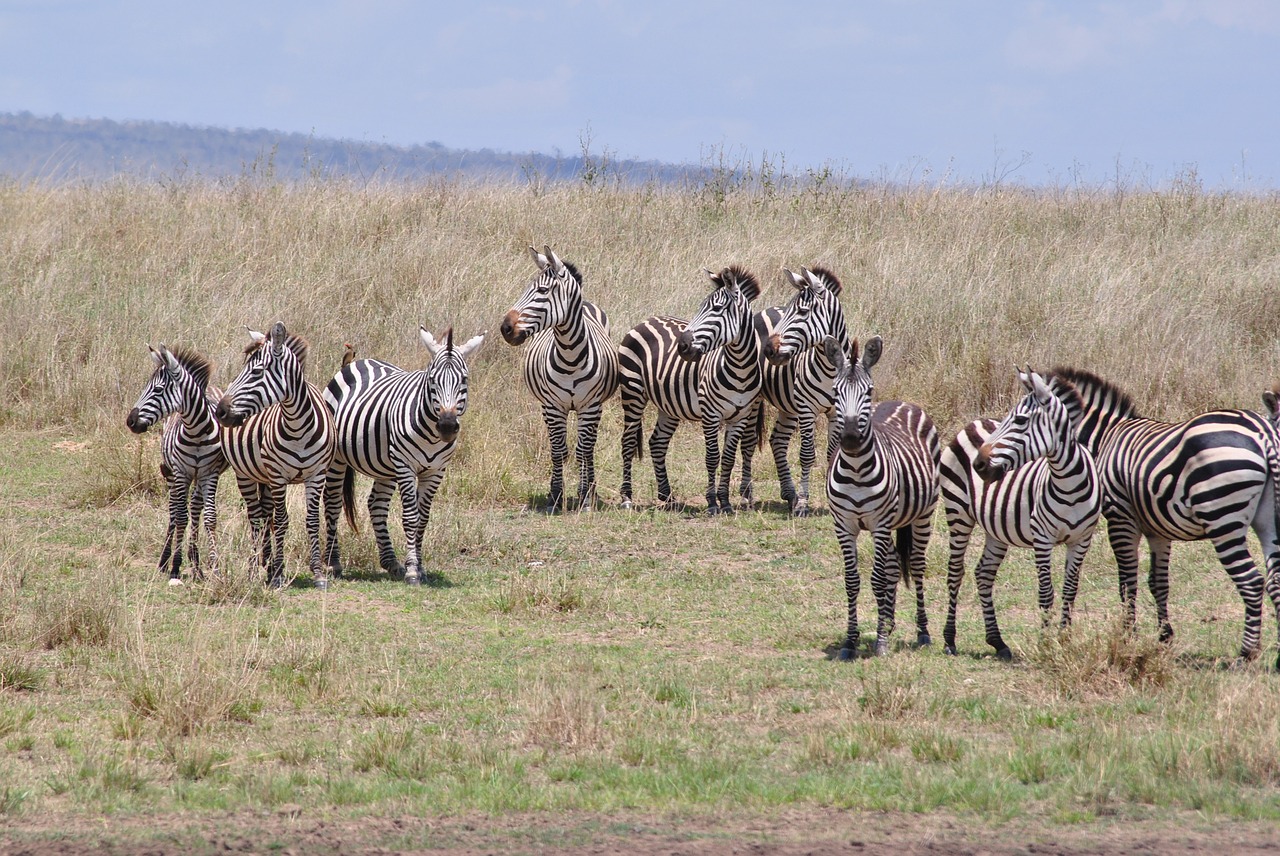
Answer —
(1073, 450)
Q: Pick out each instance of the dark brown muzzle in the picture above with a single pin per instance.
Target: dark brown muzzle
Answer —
(987, 469)
(226, 417)
(686, 348)
(510, 332)
(136, 425)
(772, 346)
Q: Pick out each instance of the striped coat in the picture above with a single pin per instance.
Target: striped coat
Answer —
(280, 433)
(883, 479)
(191, 457)
(1027, 482)
(400, 428)
(571, 365)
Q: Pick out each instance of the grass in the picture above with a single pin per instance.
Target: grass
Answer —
(648, 661)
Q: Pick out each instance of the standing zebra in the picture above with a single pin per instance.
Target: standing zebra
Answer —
(1028, 482)
(1210, 477)
(884, 478)
(571, 365)
(799, 379)
(280, 433)
(400, 428)
(706, 370)
(191, 458)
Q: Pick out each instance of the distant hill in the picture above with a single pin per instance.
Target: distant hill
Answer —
(51, 148)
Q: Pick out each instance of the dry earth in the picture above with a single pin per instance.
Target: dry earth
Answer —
(791, 833)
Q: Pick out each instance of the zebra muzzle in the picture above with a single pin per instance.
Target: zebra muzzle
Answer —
(447, 424)
(510, 333)
(773, 350)
(987, 469)
(135, 422)
(226, 415)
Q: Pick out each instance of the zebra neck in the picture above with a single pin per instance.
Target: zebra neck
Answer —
(197, 413)
(1067, 457)
(572, 331)
(420, 396)
(297, 406)
(743, 352)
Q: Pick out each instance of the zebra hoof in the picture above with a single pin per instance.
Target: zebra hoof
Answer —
(949, 650)
(175, 581)
(321, 583)
(847, 654)
(800, 511)
(412, 579)
(882, 649)
(923, 640)
(275, 582)
(626, 505)
(1004, 654)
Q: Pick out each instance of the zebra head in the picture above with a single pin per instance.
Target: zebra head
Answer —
(1037, 426)
(724, 316)
(551, 298)
(812, 314)
(447, 379)
(853, 389)
(165, 392)
(273, 372)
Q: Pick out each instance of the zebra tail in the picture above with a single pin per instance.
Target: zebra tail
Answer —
(760, 425)
(904, 543)
(349, 497)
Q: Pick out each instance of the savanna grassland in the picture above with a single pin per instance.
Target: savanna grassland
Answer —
(580, 678)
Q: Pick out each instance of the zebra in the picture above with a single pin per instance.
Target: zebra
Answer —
(798, 378)
(191, 458)
(571, 365)
(705, 370)
(1209, 477)
(280, 432)
(884, 477)
(1028, 482)
(400, 428)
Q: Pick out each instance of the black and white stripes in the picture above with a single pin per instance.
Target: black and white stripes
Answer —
(1027, 482)
(571, 365)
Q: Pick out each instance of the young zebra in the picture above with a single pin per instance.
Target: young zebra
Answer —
(883, 478)
(1209, 477)
(400, 428)
(191, 458)
(799, 380)
(280, 433)
(1028, 482)
(571, 365)
(706, 370)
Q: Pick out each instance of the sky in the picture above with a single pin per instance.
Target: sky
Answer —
(1141, 93)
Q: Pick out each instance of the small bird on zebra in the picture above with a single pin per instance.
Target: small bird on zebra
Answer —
(1027, 481)
(278, 432)
(400, 428)
(883, 480)
(191, 458)
(570, 366)
(704, 370)
(1210, 477)
(799, 380)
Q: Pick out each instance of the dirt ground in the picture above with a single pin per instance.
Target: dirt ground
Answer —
(794, 833)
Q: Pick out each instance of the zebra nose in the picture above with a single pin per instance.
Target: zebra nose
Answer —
(134, 422)
(224, 414)
(508, 328)
(686, 348)
(772, 347)
(448, 425)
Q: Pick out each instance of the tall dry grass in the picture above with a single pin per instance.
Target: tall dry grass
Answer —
(1173, 294)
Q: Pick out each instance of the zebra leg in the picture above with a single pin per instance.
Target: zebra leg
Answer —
(279, 527)
(632, 435)
(711, 438)
(424, 492)
(920, 532)
(958, 532)
(1233, 552)
(195, 511)
(1071, 577)
(1044, 580)
(585, 451)
(779, 440)
(884, 583)
(379, 508)
(315, 497)
(208, 489)
(848, 539)
(659, 440)
(1123, 535)
(411, 522)
(748, 439)
(1158, 581)
(985, 576)
(256, 511)
(732, 437)
(171, 556)
(332, 507)
(557, 427)
(808, 457)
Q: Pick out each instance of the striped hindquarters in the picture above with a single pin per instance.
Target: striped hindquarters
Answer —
(651, 370)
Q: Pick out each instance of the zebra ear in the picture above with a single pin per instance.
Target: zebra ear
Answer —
(169, 359)
(832, 351)
(278, 335)
(1039, 387)
(538, 258)
(817, 283)
(472, 345)
(557, 266)
(1271, 401)
(797, 280)
(871, 352)
(430, 341)
(155, 355)
(258, 338)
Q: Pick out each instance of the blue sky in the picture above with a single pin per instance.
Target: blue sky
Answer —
(1035, 91)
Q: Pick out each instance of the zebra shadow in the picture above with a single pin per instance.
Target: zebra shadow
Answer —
(866, 648)
(780, 508)
(430, 579)
(540, 504)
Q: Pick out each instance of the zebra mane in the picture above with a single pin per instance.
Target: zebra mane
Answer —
(292, 341)
(1065, 391)
(746, 280)
(825, 274)
(1096, 393)
(573, 271)
(195, 363)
